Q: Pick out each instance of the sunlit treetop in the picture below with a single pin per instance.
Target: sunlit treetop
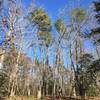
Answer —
(60, 26)
(43, 22)
(46, 36)
(42, 19)
(78, 14)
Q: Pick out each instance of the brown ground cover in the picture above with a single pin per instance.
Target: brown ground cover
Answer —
(49, 98)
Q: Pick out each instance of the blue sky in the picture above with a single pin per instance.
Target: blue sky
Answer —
(52, 6)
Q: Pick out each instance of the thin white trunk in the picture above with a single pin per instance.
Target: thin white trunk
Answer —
(2, 60)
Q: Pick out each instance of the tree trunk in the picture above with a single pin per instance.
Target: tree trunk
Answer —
(14, 77)
(74, 73)
(1, 60)
(39, 95)
(97, 51)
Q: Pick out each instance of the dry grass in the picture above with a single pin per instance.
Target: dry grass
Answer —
(48, 98)
(21, 98)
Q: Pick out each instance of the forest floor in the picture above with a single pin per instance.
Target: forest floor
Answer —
(72, 98)
(48, 98)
